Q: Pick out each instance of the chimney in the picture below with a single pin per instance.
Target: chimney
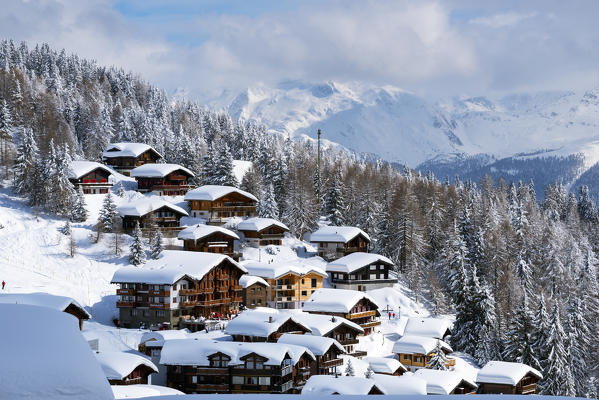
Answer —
(333, 319)
(270, 319)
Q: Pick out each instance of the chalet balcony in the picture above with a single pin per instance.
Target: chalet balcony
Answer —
(212, 371)
(348, 341)
(359, 354)
(233, 208)
(210, 388)
(236, 288)
(187, 304)
(160, 293)
(331, 363)
(125, 291)
(272, 236)
(371, 324)
(171, 187)
(527, 389)
(284, 299)
(207, 290)
(362, 314)
(160, 305)
(125, 304)
(285, 287)
(188, 292)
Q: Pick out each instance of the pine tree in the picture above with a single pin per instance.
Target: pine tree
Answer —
(369, 373)
(268, 203)
(120, 190)
(108, 213)
(334, 201)
(156, 245)
(79, 211)
(519, 345)
(66, 228)
(349, 369)
(586, 206)
(138, 254)
(438, 360)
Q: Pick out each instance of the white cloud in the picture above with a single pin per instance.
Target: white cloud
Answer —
(502, 20)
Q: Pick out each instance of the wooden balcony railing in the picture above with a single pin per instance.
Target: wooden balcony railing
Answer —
(125, 291)
(331, 363)
(236, 288)
(212, 388)
(187, 292)
(160, 305)
(359, 354)
(125, 304)
(528, 389)
(360, 314)
(370, 324)
(161, 293)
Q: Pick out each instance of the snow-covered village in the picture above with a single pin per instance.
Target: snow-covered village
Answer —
(189, 208)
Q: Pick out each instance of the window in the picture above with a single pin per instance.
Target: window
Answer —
(313, 282)
(373, 267)
(372, 276)
(264, 380)
(160, 313)
(146, 313)
(304, 292)
(312, 291)
(237, 380)
(134, 312)
(259, 301)
(194, 379)
(259, 364)
(302, 281)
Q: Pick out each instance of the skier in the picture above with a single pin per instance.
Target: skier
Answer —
(3, 284)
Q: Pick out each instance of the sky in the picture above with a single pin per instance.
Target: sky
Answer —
(433, 48)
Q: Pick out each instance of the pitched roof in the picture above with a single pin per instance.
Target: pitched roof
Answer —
(334, 300)
(213, 192)
(197, 351)
(355, 261)
(259, 322)
(200, 231)
(59, 303)
(140, 391)
(418, 345)
(171, 266)
(384, 365)
(77, 169)
(337, 234)
(328, 384)
(117, 365)
(49, 363)
(505, 373)
(248, 280)
(321, 324)
(257, 224)
(442, 382)
(277, 269)
(127, 150)
(145, 205)
(157, 170)
(157, 338)
(431, 327)
(317, 344)
(405, 384)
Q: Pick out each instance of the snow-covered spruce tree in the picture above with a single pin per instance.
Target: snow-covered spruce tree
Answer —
(223, 168)
(334, 202)
(540, 334)
(137, 254)
(26, 167)
(577, 342)
(557, 376)
(108, 213)
(349, 369)
(66, 228)
(156, 245)
(369, 373)
(61, 192)
(519, 346)
(208, 173)
(438, 360)
(120, 190)
(586, 206)
(78, 210)
(268, 203)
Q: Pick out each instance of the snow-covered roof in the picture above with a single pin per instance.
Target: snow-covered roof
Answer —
(59, 303)
(117, 365)
(157, 338)
(344, 385)
(418, 345)
(355, 261)
(257, 224)
(77, 169)
(277, 269)
(505, 373)
(256, 323)
(337, 234)
(171, 266)
(248, 280)
(213, 192)
(126, 150)
(431, 327)
(398, 385)
(145, 205)
(44, 356)
(321, 324)
(141, 391)
(442, 382)
(317, 344)
(334, 300)
(200, 231)
(157, 170)
(384, 365)
(197, 351)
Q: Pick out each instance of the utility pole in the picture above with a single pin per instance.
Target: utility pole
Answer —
(318, 170)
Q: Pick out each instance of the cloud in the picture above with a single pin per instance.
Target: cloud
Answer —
(502, 20)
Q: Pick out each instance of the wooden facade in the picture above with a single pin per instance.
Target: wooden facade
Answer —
(220, 210)
(216, 295)
(327, 364)
(348, 338)
(173, 184)
(288, 326)
(124, 164)
(334, 250)
(78, 313)
(272, 235)
(94, 182)
(527, 385)
(218, 242)
(364, 313)
(167, 219)
(414, 361)
(372, 276)
(291, 290)
(255, 295)
(139, 376)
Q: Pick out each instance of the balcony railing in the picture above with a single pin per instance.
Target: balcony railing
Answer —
(359, 354)
(528, 389)
(211, 388)
(285, 287)
(331, 363)
(125, 304)
(160, 305)
(370, 324)
(125, 291)
(360, 314)
(348, 341)
(161, 293)
(236, 288)
(187, 292)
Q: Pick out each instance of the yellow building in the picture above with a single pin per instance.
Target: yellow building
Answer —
(290, 285)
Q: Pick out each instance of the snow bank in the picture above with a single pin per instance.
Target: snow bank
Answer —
(213, 192)
(44, 356)
(240, 168)
(117, 365)
(257, 224)
(200, 231)
(141, 391)
(158, 170)
(354, 261)
(337, 234)
(399, 299)
(77, 169)
(248, 280)
(126, 150)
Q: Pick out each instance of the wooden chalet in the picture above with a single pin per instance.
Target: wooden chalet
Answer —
(254, 291)
(124, 157)
(415, 352)
(445, 382)
(386, 366)
(123, 368)
(178, 285)
(259, 232)
(263, 326)
(437, 328)
(92, 177)
(290, 284)
(163, 179)
(204, 366)
(334, 242)
(501, 377)
(361, 271)
(217, 204)
(59, 303)
(358, 307)
(150, 212)
(326, 352)
(209, 239)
